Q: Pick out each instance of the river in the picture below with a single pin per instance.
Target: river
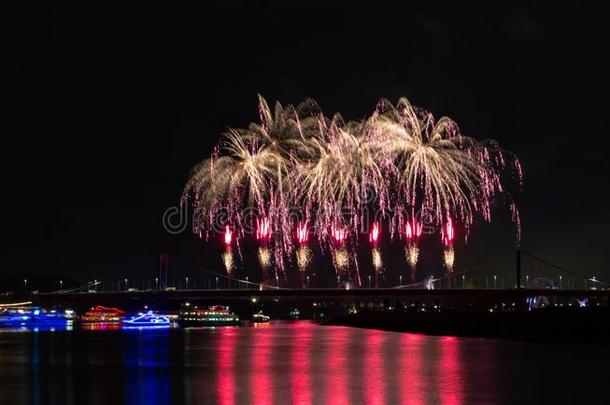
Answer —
(292, 363)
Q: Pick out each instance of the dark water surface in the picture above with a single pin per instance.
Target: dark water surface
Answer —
(298, 363)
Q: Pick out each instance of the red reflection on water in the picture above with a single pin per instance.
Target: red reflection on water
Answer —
(374, 372)
(450, 370)
(225, 385)
(336, 384)
(300, 377)
(262, 377)
(411, 369)
(100, 326)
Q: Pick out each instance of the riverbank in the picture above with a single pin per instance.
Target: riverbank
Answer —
(562, 325)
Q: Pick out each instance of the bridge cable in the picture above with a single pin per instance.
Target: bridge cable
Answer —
(574, 273)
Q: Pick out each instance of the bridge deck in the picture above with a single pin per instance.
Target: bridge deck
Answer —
(330, 293)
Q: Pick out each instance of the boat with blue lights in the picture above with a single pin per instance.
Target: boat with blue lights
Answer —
(148, 319)
(27, 314)
(218, 315)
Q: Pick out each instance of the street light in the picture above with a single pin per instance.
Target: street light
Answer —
(156, 283)
(187, 282)
(61, 284)
(217, 282)
(307, 281)
(126, 285)
(495, 278)
(369, 281)
(95, 285)
(400, 278)
(25, 283)
(463, 280)
(338, 281)
(560, 282)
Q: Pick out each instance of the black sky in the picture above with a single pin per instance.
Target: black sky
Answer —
(106, 110)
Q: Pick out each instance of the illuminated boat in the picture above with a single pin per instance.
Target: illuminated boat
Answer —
(148, 319)
(22, 315)
(103, 314)
(260, 318)
(213, 316)
(16, 315)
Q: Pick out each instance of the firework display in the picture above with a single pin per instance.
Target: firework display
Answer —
(413, 231)
(376, 252)
(299, 172)
(303, 251)
(227, 256)
(263, 235)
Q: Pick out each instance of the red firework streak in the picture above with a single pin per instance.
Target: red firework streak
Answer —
(448, 234)
(302, 232)
(413, 231)
(263, 235)
(338, 233)
(375, 232)
(263, 229)
(228, 236)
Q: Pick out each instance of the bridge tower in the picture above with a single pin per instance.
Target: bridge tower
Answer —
(162, 271)
(518, 257)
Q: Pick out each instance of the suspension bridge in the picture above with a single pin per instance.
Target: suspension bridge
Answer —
(450, 290)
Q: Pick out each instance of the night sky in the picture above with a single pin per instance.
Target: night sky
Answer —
(106, 110)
